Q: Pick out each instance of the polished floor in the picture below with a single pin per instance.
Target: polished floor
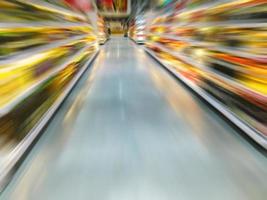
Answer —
(130, 131)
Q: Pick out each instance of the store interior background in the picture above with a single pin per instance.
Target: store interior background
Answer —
(217, 49)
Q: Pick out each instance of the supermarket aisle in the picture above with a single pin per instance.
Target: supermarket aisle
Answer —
(130, 131)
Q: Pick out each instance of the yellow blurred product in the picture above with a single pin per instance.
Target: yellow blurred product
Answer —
(19, 75)
(256, 84)
(12, 82)
(16, 12)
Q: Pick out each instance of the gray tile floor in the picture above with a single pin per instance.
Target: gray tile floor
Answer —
(129, 131)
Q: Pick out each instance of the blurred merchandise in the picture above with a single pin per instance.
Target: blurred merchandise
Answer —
(103, 33)
(22, 11)
(116, 27)
(218, 48)
(137, 29)
(17, 38)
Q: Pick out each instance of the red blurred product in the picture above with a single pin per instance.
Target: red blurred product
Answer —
(83, 5)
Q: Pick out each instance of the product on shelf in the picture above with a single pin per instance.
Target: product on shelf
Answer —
(21, 11)
(103, 34)
(137, 30)
(17, 39)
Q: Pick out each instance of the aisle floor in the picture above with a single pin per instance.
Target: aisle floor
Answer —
(130, 131)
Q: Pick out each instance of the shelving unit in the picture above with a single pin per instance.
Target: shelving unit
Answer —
(225, 78)
(13, 157)
(44, 50)
(253, 133)
(103, 34)
(137, 30)
(27, 91)
(213, 46)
